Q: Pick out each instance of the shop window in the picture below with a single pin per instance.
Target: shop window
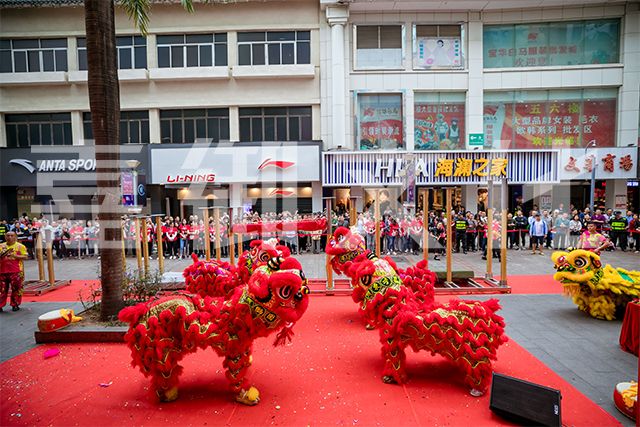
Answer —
(555, 43)
(192, 50)
(550, 119)
(26, 130)
(437, 47)
(33, 55)
(132, 52)
(188, 126)
(134, 127)
(378, 46)
(380, 123)
(275, 124)
(439, 121)
(274, 48)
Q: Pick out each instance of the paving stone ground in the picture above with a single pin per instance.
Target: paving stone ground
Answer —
(582, 350)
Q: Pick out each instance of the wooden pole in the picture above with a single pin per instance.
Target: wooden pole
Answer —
(137, 245)
(377, 220)
(124, 254)
(216, 220)
(232, 248)
(240, 246)
(207, 236)
(159, 239)
(489, 274)
(145, 245)
(449, 224)
(39, 256)
(503, 243)
(352, 211)
(52, 275)
(425, 226)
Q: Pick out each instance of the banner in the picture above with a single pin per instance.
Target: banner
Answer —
(439, 126)
(271, 227)
(380, 120)
(550, 124)
(438, 52)
(609, 163)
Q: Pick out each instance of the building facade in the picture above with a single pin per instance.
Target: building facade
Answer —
(411, 78)
(287, 102)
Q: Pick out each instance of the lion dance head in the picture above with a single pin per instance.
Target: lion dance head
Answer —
(576, 268)
(260, 251)
(344, 247)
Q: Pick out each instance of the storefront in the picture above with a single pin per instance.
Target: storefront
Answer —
(252, 177)
(356, 177)
(59, 181)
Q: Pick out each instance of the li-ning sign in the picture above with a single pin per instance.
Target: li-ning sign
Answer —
(439, 167)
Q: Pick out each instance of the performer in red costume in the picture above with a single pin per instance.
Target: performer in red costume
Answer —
(466, 332)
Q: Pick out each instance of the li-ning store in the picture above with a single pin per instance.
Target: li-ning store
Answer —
(261, 178)
(356, 177)
(58, 181)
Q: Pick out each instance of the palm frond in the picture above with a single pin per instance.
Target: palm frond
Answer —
(138, 11)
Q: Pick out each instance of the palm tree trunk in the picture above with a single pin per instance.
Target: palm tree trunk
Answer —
(104, 100)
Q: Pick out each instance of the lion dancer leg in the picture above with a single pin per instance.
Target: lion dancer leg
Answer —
(237, 366)
(394, 356)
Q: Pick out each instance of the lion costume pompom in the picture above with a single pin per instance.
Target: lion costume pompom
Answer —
(601, 292)
(162, 331)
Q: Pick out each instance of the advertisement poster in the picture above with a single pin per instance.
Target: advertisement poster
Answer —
(550, 124)
(438, 52)
(439, 126)
(380, 120)
(556, 43)
(127, 189)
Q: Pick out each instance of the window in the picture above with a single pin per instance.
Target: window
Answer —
(556, 43)
(437, 47)
(274, 48)
(192, 50)
(275, 124)
(33, 55)
(132, 52)
(185, 126)
(26, 130)
(380, 121)
(439, 121)
(550, 119)
(134, 127)
(378, 46)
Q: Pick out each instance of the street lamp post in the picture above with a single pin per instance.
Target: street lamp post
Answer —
(593, 176)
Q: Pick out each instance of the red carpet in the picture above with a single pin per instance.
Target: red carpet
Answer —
(329, 375)
(72, 292)
(534, 284)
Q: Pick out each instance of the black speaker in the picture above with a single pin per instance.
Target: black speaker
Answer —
(524, 402)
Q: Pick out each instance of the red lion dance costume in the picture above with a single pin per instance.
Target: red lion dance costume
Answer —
(225, 314)
(401, 305)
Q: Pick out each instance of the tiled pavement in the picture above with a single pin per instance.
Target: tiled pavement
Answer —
(582, 350)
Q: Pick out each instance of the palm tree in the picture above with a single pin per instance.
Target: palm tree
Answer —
(104, 101)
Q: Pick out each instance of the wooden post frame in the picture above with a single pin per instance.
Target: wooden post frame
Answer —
(425, 226)
(489, 274)
(207, 236)
(39, 257)
(159, 239)
(124, 253)
(145, 245)
(449, 234)
(216, 221)
(137, 246)
(504, 190)
(377, 221)
(50, 271)
(232, 248)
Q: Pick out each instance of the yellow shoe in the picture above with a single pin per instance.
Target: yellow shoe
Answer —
(168, 395)
(250, 397)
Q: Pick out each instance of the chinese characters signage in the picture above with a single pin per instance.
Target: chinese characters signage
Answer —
(550, 124)
(439, 126)
(450, 167)
(608, 163)
(380, 121)
(558, 43)
(437, 52)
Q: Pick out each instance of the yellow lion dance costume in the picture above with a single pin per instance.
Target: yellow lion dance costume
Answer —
(602, 292)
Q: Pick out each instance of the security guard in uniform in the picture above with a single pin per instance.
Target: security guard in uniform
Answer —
(619, 230)
(461, 232)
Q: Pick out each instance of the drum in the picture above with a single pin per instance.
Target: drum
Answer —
(625, 397)
(56, 319)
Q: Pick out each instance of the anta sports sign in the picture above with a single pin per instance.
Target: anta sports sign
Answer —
(179, 165)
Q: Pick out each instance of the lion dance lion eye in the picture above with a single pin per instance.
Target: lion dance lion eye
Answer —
(264, 257)
(366, 280)
(580, 262)
(284, 292)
